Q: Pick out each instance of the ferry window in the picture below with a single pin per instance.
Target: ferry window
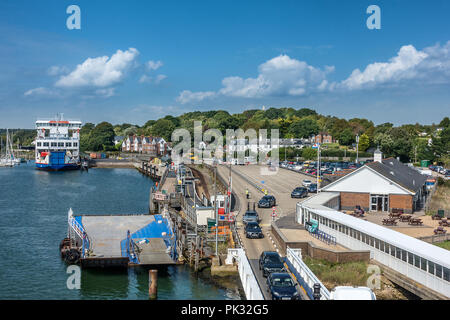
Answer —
(392, 251)
(53, 144)
(38, 144)
(358, 235)
(372, 242)
(446, 274)
(430, 267)
(438, 271)
(377, 243)
(75, 144)
(60, 144)
(423, 264)
(45, 144)
(417, 261)
(410, 258)
(404, 257)
(68, 144)
(340, 228)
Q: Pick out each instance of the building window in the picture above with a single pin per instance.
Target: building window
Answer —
(410, 258)
(386, 247)
(438, 271)
(417, 261)
(423, 264)
(392, 251)
(431, 267)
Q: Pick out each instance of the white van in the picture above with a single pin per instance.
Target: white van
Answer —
(352, 293)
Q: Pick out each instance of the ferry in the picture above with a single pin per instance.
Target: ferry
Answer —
(58, 144)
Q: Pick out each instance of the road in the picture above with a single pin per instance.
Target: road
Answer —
(282, 192)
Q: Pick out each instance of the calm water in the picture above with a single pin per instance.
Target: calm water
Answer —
(33, 221)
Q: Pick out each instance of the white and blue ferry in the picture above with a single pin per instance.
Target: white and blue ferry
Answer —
(58, 144)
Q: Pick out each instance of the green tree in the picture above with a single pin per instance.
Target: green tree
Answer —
(101, 137)
(346, 137)
(304, 128)
(309, 153)
(163, 128)
(364, 142)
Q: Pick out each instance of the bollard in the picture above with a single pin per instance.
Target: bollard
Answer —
(316, 293)
(153, 284)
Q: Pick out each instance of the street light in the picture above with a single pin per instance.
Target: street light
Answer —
(357, 145)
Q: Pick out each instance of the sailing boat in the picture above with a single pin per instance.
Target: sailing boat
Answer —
(8, 159)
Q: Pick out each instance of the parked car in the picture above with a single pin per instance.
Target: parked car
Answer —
(299, 192)
(253, 231)
(282, 287)
(267, 202)
(250, 216)
(270, 261)
(312, 187)
(306, 183)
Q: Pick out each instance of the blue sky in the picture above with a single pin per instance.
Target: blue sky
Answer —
(138, 60)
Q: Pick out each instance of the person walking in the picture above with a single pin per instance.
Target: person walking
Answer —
(246, 192)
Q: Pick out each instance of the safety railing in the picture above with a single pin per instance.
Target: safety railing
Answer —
(79, 230)
(304, 275)
(248, 279)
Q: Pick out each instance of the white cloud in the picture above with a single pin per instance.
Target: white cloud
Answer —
(106, 93)
(431, 65)
(39, 91)
(280, 76)
(154, 65)
(100, 71)
(146, 79)
(189, 96)
(57, 70)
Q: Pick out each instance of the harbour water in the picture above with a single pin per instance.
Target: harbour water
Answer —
(33, 220)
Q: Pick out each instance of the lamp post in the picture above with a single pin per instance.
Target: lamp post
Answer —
(357, 145)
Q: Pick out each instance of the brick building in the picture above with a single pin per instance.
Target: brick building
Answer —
(382, 185)
(323, 137)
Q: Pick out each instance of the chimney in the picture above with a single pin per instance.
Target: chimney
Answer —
(378, 156)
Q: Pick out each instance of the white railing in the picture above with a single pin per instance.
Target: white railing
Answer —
(304, 275)
(248, 279)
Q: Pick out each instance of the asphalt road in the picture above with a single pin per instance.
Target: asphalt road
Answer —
(282, 192)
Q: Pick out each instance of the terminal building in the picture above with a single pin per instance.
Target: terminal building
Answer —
(426, 264)
(383, 185)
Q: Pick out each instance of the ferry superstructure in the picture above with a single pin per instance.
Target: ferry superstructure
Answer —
(58, 144)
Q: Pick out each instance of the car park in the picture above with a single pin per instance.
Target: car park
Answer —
(282, 287)
(253, 231)
(299, 192)
(267, 202)
(270, 261)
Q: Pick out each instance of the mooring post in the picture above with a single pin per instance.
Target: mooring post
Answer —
(153, 284)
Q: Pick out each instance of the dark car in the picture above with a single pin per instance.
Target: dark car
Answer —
(282, 287)
(250, 216)
(270, 261)
(253, 231)
(299, 192)
(267, 202)
(312, 187)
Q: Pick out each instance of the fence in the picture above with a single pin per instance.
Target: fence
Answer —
(304, 275)
(248, 279)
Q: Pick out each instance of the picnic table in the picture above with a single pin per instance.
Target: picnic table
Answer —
(444, 223)
(415, 221)
(389, 222)
(405, 217)
(439, 230)
(395, 214)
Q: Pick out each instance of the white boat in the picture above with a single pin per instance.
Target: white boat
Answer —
(8, 159)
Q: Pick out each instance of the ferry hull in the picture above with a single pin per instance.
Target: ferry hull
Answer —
(57, 167)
